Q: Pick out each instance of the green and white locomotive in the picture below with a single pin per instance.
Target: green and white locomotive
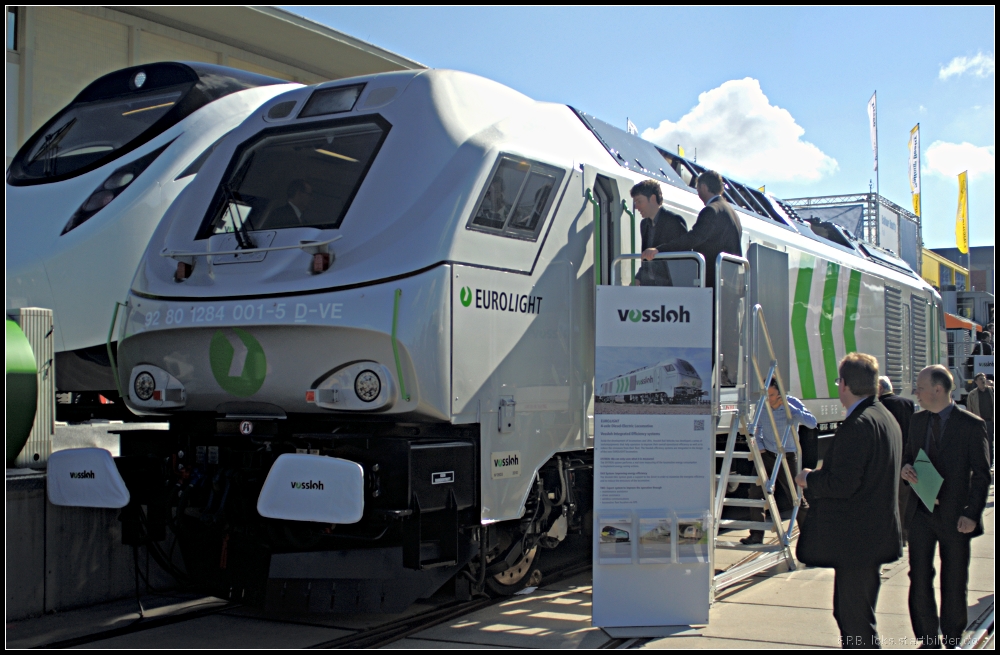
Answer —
(369, 321)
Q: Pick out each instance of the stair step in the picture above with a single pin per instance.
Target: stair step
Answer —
(749, 479)
(735, 545)
(737, 454)
(730, 524)
(744, 502)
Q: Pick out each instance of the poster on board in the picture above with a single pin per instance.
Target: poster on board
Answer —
(654, 446)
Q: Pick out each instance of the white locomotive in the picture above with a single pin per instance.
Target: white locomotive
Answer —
(667, 382)
(370, 324)
(86, 191)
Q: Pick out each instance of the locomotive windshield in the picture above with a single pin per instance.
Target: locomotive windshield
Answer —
(685, 368)
(305, 176)
(118, 113)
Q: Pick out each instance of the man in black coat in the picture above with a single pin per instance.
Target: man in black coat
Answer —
(657, 226)
(901, 409)
(853, 519)
(955, 443)
(718, 228)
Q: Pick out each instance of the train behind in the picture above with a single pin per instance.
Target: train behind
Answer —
(85, 192)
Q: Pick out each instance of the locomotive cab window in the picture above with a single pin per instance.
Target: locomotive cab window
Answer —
(303, 176)
(517, 198)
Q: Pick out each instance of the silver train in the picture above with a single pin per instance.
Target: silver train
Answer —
(86, 191)
(667, 382)
(369, 321)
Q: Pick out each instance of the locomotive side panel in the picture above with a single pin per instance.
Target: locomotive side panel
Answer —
(834, 310)
(504, 326)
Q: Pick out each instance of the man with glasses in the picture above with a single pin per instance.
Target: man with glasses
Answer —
(955, 443)
(853, 520)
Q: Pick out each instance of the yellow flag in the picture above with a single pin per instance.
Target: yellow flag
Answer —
(962, 218)
(914, 166)
(680, 150)
(761, 189)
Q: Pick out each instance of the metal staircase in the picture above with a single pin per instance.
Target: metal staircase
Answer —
(743, 420)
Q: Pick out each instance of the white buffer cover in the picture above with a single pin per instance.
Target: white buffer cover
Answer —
(313, 488)
(85, 477)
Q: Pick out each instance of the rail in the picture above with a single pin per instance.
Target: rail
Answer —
(697, 256)
(310, 247)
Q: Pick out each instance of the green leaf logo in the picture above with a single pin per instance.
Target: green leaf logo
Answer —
(239, 364)
(465, 295)
(634, 315)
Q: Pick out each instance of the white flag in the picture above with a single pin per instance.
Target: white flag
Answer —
(873, 127)
(632, 129)
(915, 168)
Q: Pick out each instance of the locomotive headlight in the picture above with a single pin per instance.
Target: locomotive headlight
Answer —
(144, 386)
(110, 188)
(367, 385)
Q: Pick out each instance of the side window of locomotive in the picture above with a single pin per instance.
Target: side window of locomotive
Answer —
(517, 198)
(306, 176)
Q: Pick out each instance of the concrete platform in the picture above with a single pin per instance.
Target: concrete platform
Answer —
(779, 609)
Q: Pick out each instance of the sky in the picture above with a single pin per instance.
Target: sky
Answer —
(768, 96)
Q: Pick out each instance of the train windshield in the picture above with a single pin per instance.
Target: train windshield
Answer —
(118, 113)
(305, 176)
(685, 368)
(91, 131)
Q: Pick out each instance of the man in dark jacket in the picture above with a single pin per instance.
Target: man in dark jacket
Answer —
(901, 409)
(718, 228)
(853, 520)
(657, 226)
(955, 443)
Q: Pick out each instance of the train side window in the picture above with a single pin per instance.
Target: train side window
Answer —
(517, 199)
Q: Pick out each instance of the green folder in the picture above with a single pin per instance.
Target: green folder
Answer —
(928, 480)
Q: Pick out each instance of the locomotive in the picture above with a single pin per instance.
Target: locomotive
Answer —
(667, 382)
(369, 321)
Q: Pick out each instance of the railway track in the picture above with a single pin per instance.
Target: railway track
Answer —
(373, 637)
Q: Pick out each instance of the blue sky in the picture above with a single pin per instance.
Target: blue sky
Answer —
(770, 96)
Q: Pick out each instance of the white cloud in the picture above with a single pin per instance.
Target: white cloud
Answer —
(740, 133)
(981, 66)
(950, 159)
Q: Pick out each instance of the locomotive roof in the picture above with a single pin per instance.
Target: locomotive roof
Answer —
(444, 132)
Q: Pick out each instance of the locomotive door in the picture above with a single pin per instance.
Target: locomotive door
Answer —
(769, 289)
(614, 229)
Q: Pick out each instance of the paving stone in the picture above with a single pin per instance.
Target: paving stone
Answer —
(220, 631)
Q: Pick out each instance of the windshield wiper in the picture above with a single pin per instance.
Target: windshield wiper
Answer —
(241, 232)
(52, 142)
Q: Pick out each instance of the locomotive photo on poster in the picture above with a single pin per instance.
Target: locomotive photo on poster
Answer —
(672, 381)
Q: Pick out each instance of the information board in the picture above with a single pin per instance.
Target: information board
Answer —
(654, 447)
(983, 364)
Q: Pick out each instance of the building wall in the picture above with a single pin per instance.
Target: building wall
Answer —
(983, 268)
(931, 270)
(59, 50)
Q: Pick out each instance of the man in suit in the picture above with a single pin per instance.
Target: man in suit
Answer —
(955, 443)
(299, 196)
(980, 403)
(657, 226)
(902, 410)
(718, 228)
(853, 519)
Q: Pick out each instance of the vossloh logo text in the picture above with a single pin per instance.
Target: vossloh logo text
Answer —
(308, 485)
(81, 475)
(661, 315)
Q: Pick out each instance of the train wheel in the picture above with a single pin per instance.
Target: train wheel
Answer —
(524, 573)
